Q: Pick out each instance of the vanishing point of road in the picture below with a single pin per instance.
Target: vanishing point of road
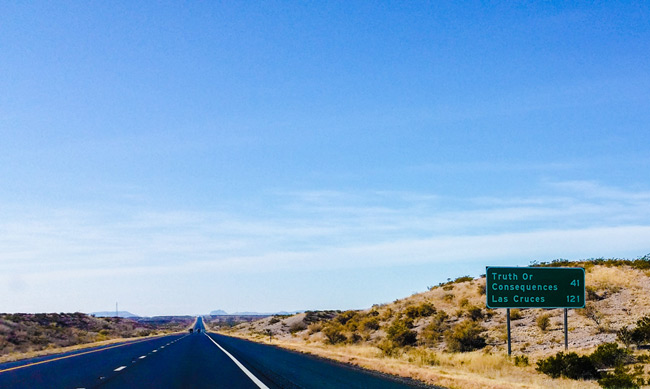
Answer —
(193, 360)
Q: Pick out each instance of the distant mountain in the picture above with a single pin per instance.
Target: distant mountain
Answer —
(220, 312)
(112, 314)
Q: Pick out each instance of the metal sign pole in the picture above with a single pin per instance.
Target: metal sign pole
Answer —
(566, 330)
(508, 325)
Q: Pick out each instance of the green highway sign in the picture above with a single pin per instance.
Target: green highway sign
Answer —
(535, 287)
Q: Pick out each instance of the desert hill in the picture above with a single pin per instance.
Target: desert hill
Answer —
(25, 334)
(447, 336)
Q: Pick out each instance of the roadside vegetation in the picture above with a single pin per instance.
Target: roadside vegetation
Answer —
(23, 335)
(447, 336)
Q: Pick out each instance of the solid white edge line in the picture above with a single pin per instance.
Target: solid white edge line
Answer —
(243, 368)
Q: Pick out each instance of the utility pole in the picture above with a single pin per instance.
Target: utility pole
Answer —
(116, 311)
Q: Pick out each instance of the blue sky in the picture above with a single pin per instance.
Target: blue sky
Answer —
(183, 157)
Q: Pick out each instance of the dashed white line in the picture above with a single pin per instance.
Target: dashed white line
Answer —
(142, 357)
(120, 368)
(154, 351)
(243, 368)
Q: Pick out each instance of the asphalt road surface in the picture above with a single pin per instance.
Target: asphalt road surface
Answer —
(196, 360)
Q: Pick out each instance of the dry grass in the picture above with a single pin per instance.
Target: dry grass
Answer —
(603, 277)
(461, 370)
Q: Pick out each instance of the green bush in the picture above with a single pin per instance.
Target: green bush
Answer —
(624, 335)
(401, 334)
(465, 336)
(641, 333)
(622, 378)
(610, 355)
(569, 365)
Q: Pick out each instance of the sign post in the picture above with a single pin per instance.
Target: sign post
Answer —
(508, 325)
(535, 287)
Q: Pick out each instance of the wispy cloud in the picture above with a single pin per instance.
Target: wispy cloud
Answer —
(331, 229)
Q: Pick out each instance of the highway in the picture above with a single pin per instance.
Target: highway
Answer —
(192, 360)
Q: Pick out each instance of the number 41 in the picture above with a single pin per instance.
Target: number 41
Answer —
(575, 283)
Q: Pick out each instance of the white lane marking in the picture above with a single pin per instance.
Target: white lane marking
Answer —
(154, 351)
(120, 368)
(142, 357)
(243, 368)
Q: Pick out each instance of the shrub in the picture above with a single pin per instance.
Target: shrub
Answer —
(465, 336)
(592, 294)
(433, 332)
(401, 334)
(388, 348)
(449, 297)
(622, 378)
(346, 316)
(641, 333)
(370, 323)
(544, 321)
(590, 312)
(475, 313)
(521, 360)
(610, 355)
(334, 333)
(315, 327)
(515, 314)
(297, 327)
(448, 285)
(423, 310)
(354, 338)
(569, 365)
(624, 335)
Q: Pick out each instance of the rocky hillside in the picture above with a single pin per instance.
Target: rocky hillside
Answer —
(448, 328)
